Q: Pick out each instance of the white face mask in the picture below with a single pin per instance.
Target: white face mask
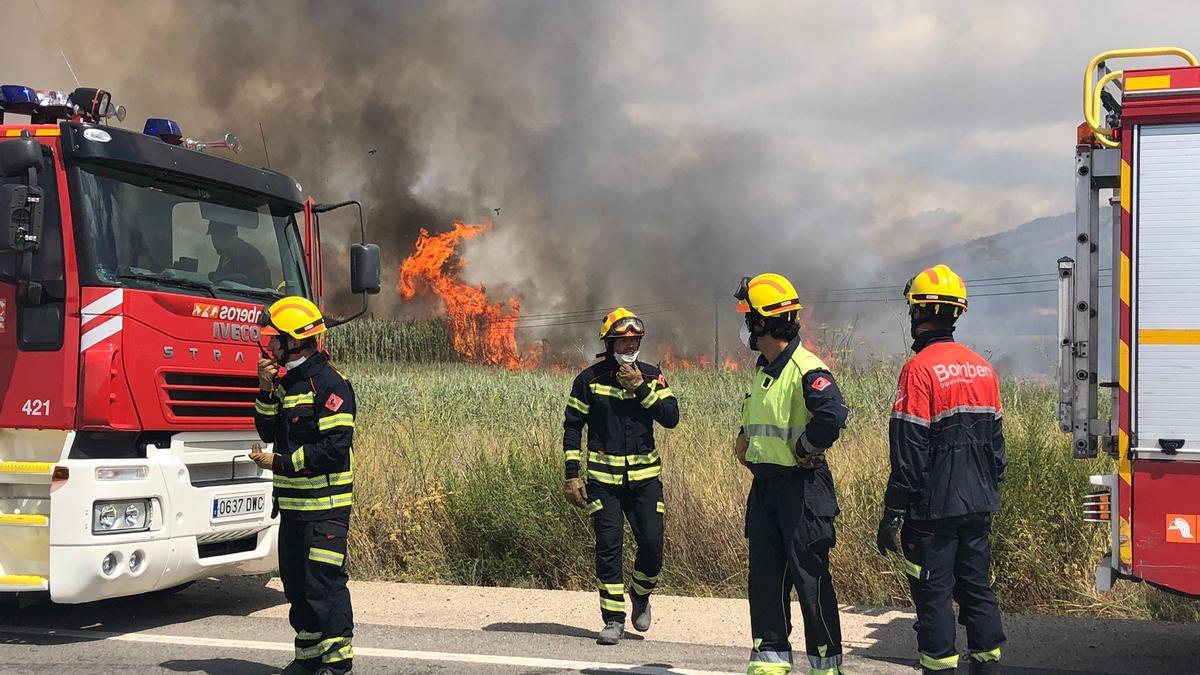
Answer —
(295, 363)
(627, 358)
(744, 335)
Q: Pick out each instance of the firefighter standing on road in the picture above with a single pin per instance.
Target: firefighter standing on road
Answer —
(309, 415)
(792, 415)
(947, 457)
(620, 399)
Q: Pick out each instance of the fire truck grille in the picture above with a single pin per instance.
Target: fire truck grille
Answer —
(198, 395)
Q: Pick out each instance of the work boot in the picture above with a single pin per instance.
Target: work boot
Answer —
(984, 667)
(611, 634)
(641, 612)
(297, 668)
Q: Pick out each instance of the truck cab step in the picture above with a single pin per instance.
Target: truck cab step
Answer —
(10, 583)
(27, 468)
(24, 520)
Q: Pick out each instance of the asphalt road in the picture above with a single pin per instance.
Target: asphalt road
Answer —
(239, 627)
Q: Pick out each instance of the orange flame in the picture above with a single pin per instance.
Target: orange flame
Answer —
(483, 332)
(668, 359)
(811, 342)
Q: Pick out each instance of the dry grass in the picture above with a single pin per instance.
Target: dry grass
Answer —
(460, 470)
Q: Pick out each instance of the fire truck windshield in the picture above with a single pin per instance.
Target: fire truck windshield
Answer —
(168, 233)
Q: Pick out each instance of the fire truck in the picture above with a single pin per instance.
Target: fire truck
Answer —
(134, 271)
(1137, 156)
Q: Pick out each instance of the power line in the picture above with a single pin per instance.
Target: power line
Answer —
(826, 295)
(835, 296)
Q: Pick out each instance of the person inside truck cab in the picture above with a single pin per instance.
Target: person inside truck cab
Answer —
(239, 261)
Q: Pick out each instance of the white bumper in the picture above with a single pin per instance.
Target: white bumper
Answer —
(180, 524)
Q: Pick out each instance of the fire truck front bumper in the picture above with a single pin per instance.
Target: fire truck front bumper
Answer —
(86, 573)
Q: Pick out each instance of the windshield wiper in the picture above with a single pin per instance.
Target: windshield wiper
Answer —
(171, 281)
(255, 292)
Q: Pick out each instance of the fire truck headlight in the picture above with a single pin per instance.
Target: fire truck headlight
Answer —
(106, 518)
(134, 516)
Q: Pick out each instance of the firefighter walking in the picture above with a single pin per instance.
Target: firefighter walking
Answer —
(309, 416)
(791, 416)
(619, 399)
(947, 460)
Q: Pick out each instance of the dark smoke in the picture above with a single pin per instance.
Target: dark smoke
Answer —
(435, 111)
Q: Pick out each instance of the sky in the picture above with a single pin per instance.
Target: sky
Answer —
(649, 152)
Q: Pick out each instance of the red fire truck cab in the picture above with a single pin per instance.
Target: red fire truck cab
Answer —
(134, 269)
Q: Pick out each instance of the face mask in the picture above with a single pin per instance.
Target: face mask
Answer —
(627, 358)
(746, 338)
(295, 363)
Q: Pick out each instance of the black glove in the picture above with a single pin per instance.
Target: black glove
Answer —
(888, 536)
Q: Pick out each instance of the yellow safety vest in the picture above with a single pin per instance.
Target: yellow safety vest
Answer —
(774, 413)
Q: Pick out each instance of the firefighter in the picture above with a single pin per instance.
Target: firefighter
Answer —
(947, 460)
(619, 399)
(791, 416)
(308, 414)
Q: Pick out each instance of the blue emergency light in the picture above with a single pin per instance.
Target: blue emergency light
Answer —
(165, 129)
(18, 99)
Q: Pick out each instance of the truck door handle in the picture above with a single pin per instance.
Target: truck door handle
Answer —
(1170, 446)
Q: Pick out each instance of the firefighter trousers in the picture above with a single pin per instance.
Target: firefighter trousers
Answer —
(789, 547)
(609, 506)
(950, 559)
(312, 566)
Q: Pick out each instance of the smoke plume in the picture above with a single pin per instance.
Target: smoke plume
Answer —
(534, 115)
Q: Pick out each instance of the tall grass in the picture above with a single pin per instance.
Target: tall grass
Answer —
(460, 472)
(368, 340)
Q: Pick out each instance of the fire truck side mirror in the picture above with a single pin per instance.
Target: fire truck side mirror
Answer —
(364, 268)
(18, 156)
(20, 205)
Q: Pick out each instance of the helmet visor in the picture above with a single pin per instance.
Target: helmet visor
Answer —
(627, 327)
(742, 295)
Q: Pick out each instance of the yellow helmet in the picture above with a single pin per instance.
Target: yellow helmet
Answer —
(296, 316)
(621, 323)
(768, 294)
(937, 285)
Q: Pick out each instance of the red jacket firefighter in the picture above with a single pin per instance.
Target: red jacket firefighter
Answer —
(947, 457)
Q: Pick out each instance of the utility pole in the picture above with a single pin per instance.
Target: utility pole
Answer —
(716, 335)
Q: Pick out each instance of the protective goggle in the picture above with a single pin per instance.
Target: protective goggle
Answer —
(630, 326)
(742, 295)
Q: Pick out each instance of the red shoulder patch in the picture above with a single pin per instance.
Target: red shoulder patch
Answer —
(821, 383)
(334, 402)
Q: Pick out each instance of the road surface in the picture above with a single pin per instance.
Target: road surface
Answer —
(239, 627)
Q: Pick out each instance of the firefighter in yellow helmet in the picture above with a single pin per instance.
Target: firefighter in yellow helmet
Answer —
(618, 399)
(791, 416)
(947, 461)
(308, 414)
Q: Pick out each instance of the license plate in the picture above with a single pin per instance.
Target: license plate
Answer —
(235, 506)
